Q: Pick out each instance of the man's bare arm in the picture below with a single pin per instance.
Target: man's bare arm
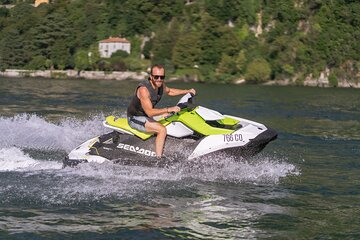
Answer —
(175, 91)
(144, 96)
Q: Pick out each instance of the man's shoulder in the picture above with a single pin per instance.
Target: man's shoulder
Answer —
(143, 91)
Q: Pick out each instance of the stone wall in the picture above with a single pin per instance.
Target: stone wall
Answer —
(323, 81)
(311, 81)
(74, 74)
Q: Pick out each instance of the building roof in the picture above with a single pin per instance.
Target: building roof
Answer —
(114, 40)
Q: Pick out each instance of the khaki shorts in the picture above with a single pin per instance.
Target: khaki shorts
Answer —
(138, 122)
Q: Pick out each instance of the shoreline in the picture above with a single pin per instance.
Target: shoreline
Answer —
(73, 74)
(322, 81)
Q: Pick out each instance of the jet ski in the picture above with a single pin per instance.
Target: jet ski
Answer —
(193, 132)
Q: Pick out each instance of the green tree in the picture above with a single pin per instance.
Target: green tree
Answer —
(138, 19)
(37, 63)
(4, 12)
(163, 44)
(258, 71)
(216, 40)
(147, 49)
(209, 41)
(81, 60)
(120, 53)
(333, 80)
(12, 54)
(215, 9)
(54, 27)
(21, 11)
(117, 64)
(186, 52)
(227, 65)
(136, 44)
(4, 18)
(7, 1)
(284, 56)
(85, 21)
(242, 10)
(60, 55)
(240, 61)
(87, 59)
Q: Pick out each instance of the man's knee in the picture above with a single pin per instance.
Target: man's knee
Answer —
(156, 127)
(162, 129)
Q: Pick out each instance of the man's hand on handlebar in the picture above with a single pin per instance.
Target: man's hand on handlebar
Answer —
(171, 111)
(192, 91)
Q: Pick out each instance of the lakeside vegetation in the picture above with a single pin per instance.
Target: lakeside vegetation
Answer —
(210, 40)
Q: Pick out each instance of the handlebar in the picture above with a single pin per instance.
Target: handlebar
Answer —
(187, 101)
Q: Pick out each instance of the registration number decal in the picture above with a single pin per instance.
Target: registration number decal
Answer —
(237, 137)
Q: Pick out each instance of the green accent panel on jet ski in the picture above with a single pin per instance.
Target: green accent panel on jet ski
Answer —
(228, 121)
(195, 122)
(172, 118)
(123, 124)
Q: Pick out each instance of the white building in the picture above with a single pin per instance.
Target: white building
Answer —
(113, 44)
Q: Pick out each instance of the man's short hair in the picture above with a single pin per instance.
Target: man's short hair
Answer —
(156, 66)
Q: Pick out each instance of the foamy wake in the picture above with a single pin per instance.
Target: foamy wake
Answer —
(26, 131)
(32, 131)
(94, 182)
(14, 159)
(260, 169)
(29, 131)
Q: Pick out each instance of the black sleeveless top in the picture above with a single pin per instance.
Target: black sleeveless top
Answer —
(135, 108)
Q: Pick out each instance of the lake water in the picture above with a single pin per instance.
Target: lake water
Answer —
(304, 185)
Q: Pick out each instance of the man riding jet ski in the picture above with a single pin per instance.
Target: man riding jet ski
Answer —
(192, 132)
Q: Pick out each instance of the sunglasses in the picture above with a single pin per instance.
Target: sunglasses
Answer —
(159, 77)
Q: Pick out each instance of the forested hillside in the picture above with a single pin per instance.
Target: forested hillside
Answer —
(212, 40)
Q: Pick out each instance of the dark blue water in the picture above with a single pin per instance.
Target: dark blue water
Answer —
(304, 185)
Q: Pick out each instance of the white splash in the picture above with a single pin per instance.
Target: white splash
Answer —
(98, 181)
(32, 131)
(13, 159)
(220, 168)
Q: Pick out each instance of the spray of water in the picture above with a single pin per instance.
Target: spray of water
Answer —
(99, 181)
(14, 159)
(32, 131)
(26, 131)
